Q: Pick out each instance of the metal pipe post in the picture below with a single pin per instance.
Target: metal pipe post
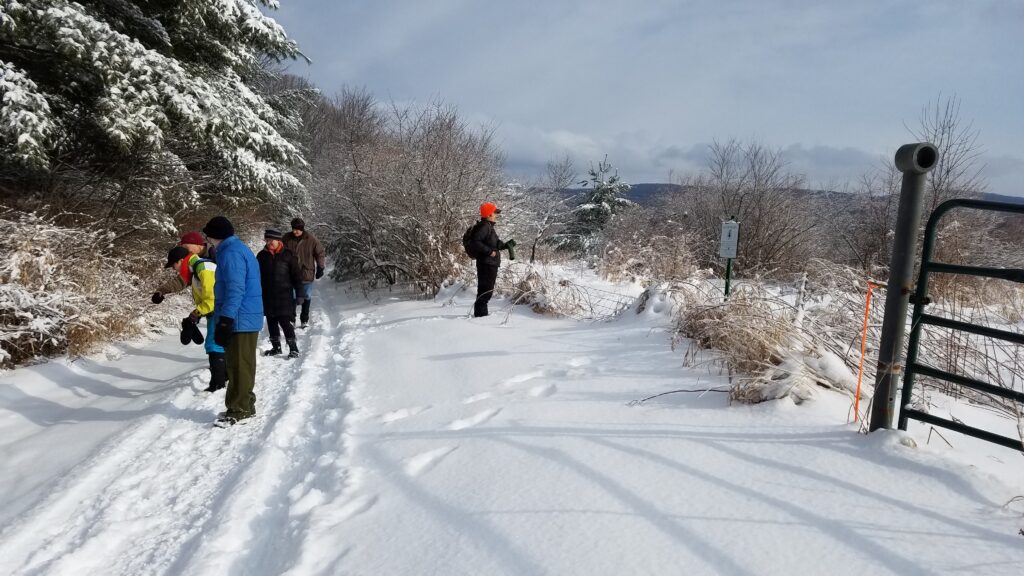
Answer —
(914, 161)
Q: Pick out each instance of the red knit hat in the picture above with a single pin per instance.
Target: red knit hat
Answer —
(192, 238)
(487, 208)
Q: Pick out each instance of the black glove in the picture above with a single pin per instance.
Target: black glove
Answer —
(187, 328)
(224, 330)
(157, 298)
(190, 332)
(194, 316)
(319, 272)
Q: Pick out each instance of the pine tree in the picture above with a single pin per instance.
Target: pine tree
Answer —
(605, 198)
(100, 84)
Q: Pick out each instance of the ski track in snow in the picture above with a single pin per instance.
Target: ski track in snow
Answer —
(157, 497)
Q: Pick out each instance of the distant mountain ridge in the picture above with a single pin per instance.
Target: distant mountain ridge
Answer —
(647, 193)
(1002, 198)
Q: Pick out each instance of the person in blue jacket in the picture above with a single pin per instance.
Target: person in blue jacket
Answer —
(238, 302)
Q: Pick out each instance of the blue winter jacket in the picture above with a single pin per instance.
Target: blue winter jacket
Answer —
(236, 292)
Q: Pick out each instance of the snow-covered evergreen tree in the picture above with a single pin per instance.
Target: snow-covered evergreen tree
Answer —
(605, 197)
(97, 83)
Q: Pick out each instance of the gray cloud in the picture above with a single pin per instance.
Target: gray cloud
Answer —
(647, 83)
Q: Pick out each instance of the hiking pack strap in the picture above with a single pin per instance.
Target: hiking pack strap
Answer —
(193, 266)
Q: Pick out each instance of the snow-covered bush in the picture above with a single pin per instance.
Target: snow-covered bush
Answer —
(552, 290)
(643, 245)
(398, 187)
(62, 289)
(754, 184)
(781, 341)
(788, 339)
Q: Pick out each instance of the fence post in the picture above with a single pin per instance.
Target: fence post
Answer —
(914, 161)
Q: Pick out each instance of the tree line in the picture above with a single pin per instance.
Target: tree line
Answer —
(123, 123)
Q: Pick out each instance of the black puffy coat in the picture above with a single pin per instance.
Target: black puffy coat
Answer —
(280, 277)
(485, 241)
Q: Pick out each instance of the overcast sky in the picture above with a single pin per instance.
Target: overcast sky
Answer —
(651, 82)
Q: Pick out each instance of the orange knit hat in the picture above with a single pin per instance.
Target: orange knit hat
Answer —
(487, 208)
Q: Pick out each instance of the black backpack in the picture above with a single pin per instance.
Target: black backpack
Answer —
(467, 241)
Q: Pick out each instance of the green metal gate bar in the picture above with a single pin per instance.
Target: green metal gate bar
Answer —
(919, 319)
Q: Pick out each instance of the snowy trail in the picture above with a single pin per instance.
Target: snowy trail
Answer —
(410, 439)
(171, 494)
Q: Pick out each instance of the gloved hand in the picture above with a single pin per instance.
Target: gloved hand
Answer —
(511, 247)
(300, 301)
(223, 331)
(194, 316)
(510, 244)
(319, 272)
(190, 332)
(157, 298)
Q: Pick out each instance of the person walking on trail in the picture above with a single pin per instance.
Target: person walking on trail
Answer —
(200, 274)
(485, 246)
(238, 303)
(312, 259)
(280, 280)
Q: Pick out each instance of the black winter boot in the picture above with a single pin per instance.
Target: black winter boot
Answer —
(218, 372)
(304, 317)
(293, 349)
(275, 348)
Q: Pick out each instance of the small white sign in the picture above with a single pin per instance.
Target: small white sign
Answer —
(730, 239)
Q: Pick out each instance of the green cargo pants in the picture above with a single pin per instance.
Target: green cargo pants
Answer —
(240, 399)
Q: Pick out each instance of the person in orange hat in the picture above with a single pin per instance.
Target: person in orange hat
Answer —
(485, 246)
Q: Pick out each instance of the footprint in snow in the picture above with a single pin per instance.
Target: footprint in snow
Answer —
(519, 379)
(475, 420)
(423, 462)
(478, 397)
(307, 503)
(401, 414)
(543, 390)
(355, 507)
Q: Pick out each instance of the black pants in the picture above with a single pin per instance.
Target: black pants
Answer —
(486, 276)
(218, 370)
(276, 324)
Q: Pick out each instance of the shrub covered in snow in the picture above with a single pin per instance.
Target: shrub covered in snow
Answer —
(63, 289)
(399, 186)
(781, 341)
(642, 245)
(557, 290)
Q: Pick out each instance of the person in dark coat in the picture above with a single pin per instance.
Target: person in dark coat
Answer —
(281, 280)
(312, 257)
(486, 246)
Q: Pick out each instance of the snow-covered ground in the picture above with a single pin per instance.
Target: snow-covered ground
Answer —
(410, 439)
